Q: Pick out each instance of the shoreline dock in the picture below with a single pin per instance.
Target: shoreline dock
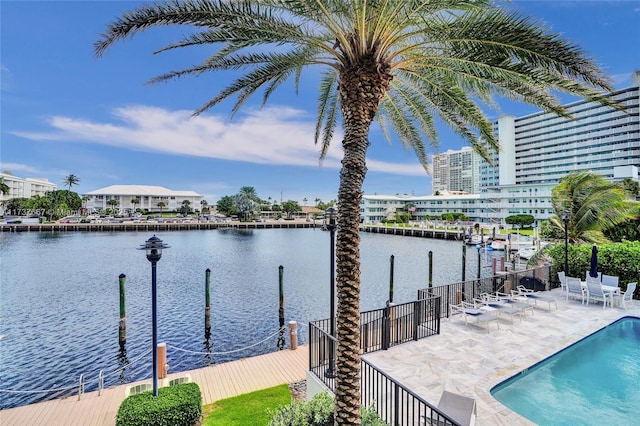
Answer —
(218, 381)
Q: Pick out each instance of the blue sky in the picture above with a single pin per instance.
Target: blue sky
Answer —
(64, 112)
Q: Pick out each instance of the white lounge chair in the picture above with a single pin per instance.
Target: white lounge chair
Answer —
(500, 306)
(595, 292)
(574, 289)
(471, 312)
(627, 296)
(460, 408)
(537, 296)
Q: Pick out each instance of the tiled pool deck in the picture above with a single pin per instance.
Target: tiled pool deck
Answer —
(465, 359)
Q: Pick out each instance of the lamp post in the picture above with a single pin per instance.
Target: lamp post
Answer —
(565, 219)
(153, 247)
(330, 224)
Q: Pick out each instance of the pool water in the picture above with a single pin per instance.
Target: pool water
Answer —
(592, 382)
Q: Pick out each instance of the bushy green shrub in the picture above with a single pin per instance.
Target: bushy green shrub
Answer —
(317, 412)
(619, 259)
(179, 405)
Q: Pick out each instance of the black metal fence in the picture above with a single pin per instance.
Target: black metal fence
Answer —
(396, 404)
(379, 329)
(535, 279)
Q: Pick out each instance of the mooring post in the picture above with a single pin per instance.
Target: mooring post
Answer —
(391, 262)
(293, 335)
(479, 260)
(464, 261)
(162, 360)
(430, 268)
(281, 291)
(122, 327)
(207, 301)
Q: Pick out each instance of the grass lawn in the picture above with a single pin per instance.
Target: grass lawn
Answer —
(248, 409)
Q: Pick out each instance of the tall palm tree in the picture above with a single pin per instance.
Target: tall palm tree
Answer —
(592, 205)
(398, 61)
(70, 180)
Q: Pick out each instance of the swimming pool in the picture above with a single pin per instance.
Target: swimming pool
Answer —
(592, 382)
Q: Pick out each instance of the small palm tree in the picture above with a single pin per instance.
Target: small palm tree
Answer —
(4, 188)
(400, 62)
(113, 203)
(161, 205)
(134, 202)
(592, 205)
(70, 180)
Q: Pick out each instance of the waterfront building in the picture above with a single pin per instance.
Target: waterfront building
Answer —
(536, 151)
(25, 187)
(149, 197)
(541, 148)
(456, 171)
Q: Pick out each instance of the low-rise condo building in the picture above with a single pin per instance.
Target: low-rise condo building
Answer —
(132, 197)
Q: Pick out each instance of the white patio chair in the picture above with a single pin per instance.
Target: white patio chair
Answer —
(599, 277)
(563, 281)
(609, 280)
(595, 292)
(627, 296)
(574, 289)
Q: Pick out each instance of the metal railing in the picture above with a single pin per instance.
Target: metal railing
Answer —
(396, 404)
(535, 279)
(379, 329)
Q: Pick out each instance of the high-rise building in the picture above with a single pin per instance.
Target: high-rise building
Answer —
(536, 151)
(541, 148)
(457, 171)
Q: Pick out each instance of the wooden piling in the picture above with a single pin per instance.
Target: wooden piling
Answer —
(430, 268)
(464, 262)
(281, 292)
(122, 326)
(293, 335)
(207, 302)
(479, 261)
(391, 262)
(162, 360)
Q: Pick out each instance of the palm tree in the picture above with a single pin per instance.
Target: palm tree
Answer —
(134, 202)
(161, 205)
(4, 188)
(397, 61)
(70, 180)
(113, 203)
(593, 205)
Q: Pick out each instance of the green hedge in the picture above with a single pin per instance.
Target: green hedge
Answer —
(179, 405)
(618, 259)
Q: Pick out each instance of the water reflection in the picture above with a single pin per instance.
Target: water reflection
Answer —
(65, 286)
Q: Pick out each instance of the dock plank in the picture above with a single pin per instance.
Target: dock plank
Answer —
(216, 382)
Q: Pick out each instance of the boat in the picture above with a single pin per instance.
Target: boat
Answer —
(527, 252)
(514, 242)
(475, 240)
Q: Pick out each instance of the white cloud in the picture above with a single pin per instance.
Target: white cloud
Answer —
(275, 136)
(17, 169)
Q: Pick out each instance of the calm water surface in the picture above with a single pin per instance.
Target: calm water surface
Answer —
(59, 304)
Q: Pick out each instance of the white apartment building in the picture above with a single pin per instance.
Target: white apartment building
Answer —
(536, 151)
(25, 187)
(149, 197)
(541, 148)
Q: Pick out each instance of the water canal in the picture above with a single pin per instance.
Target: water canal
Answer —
(59, 304)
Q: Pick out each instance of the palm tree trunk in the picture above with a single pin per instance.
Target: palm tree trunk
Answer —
(361, 91)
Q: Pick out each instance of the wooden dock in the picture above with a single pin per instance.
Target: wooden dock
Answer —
(216, 382)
